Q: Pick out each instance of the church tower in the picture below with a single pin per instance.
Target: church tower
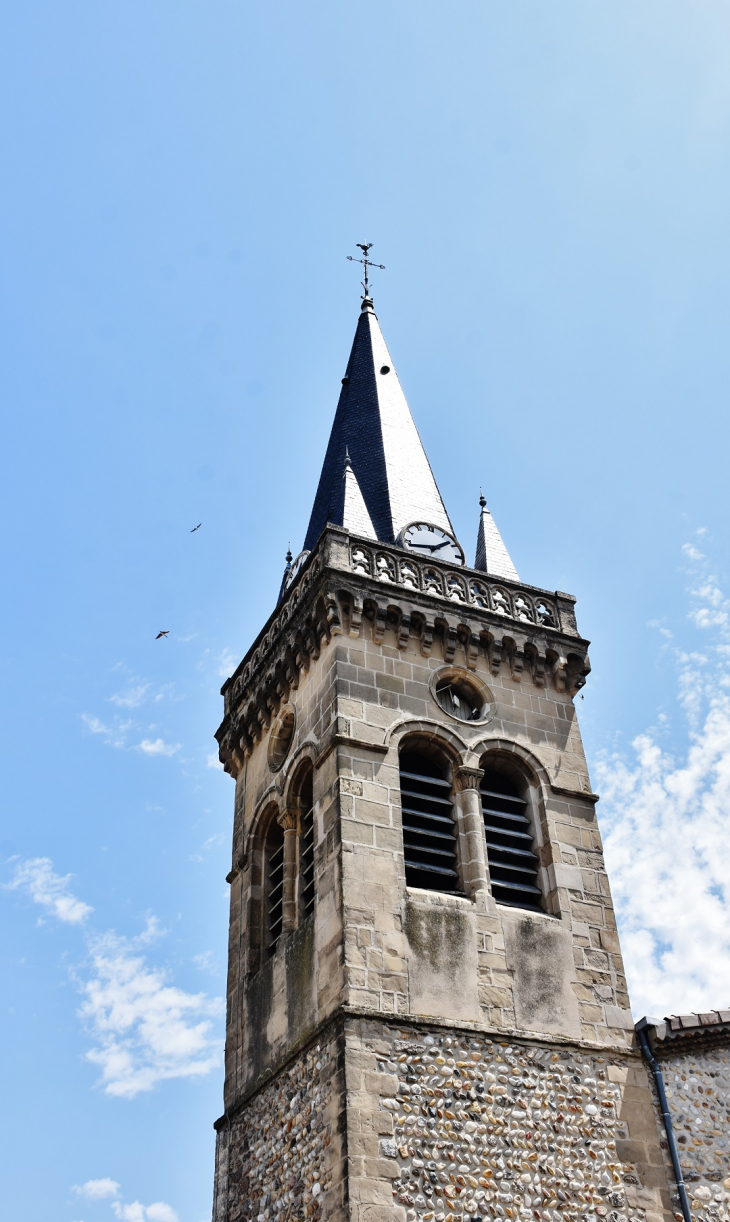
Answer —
(427, 1013)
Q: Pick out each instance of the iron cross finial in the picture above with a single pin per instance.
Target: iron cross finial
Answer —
(365, 247)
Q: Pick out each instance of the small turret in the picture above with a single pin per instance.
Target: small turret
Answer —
(492, 556)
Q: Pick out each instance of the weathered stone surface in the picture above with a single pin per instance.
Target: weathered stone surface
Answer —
(273, 1158)
(697, 1085)
(493, 1128)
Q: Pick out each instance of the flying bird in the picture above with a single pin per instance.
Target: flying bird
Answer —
(192, 532)
(159, 634)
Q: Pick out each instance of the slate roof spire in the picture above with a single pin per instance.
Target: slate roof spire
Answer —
(374, 428)
(492, 556)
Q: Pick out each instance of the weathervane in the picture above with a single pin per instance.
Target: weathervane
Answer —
(365, 247)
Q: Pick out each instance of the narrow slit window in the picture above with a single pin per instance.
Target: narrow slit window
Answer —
(429, 833)
(274, 885)
(306, 853)
(513, 863)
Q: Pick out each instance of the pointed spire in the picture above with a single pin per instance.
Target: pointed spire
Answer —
(492, 556)
(373, 424)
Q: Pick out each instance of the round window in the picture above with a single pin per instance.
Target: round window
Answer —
(282, 733)
(462, 695)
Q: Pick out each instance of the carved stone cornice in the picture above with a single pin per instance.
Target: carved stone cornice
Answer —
(348, 586)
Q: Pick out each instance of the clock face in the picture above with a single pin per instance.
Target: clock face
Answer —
(431, 542)
(296, 567)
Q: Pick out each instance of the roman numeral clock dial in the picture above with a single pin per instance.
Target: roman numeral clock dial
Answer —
(431, 542)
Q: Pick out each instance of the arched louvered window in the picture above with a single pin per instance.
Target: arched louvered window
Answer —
(429, 832)
(273, 885)
(306, 849)
(513, 863)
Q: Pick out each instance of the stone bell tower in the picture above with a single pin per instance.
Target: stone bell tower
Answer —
(427, 1012)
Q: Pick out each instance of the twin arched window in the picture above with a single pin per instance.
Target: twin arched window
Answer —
(430, 836)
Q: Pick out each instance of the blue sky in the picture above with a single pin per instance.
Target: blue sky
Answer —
(549, 188)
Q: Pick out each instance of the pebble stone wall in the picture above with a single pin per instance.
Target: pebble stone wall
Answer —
(488, 1129)
(698, 1092)
(276, 1163)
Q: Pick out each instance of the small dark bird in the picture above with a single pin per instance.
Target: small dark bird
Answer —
(159, 634)
(192, 532)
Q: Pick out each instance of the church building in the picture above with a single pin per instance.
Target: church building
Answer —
(427, 1014)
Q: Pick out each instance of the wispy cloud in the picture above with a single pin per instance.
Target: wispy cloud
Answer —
(158, 746)
(211, 843)
(115, 735)
(664, 816)
(144, 1029)
(205, 962)
(141, 691)
(226, 663)
(98, 1190)
(158, 1212)
(37, 878)
(132, 698)
(213, 761)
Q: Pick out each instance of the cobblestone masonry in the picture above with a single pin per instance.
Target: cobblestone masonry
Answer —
(278, 1159)
(491, 1129)
(698, 1092)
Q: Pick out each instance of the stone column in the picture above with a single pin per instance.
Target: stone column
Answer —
(473, 849)
(289, 821)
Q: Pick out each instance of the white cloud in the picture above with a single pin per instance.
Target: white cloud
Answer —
(151, 932)
(139, 691)
(205, 962)
(664, 817)
(94, 725)
(160, 1212)
(98, 1190)
(157, 1212)
(50, 890)
(158, 747)
(216, 839)
(145, 1029)
(132, 698)
(226, 663)
(213, 761)
(115, 736)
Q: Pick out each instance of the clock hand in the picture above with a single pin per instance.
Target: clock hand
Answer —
(438, 546)
(428, 546)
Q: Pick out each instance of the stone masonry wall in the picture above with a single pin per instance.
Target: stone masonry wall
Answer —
(281, 1158)
(697, 1085)
(384, 693)
(460, 1126)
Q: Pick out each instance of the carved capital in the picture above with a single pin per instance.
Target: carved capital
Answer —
(467, 778)
(288, 819)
